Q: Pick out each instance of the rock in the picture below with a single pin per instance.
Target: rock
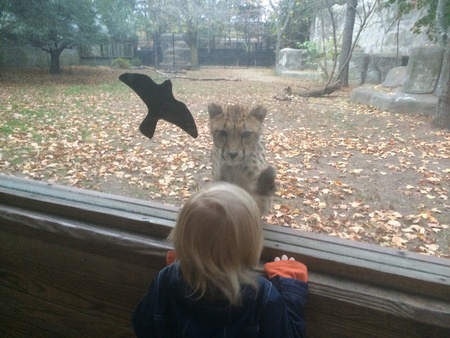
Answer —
(373, 76)
(357, 68)
(395, 77)
(422, 72)
(291, 60)
(371, 68)
(395, 102)
(382, 64)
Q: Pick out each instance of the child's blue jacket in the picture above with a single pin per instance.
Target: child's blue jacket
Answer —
(168, 310)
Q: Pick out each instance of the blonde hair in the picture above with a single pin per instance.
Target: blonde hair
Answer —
(218, 241)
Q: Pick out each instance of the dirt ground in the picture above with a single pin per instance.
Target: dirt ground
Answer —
(343, 169)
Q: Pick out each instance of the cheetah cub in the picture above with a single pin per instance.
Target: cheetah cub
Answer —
(238, 154)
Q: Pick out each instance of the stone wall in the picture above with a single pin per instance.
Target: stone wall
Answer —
(382, 34)
(423, 70)
(372, 68)
(383, 44)
(412, 88)
(291, 60)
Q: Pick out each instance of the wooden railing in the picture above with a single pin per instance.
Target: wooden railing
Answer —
(75, 263)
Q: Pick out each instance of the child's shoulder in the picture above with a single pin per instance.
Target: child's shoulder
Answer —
(169, 274)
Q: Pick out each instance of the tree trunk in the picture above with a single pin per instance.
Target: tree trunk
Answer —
(278, 47)
(156, 48)
(314, 92)
(191, 39)
(55, 67)
(442, 118)
(347, 42)
(194, 57)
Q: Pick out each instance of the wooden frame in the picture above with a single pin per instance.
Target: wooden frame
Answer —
(76, 262)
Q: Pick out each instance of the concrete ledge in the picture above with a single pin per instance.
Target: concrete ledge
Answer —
(395, 102)
(304, 75)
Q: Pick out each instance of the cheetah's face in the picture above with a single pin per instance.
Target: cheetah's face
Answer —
(236, 130)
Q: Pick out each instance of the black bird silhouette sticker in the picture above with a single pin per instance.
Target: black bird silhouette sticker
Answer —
(161, 104)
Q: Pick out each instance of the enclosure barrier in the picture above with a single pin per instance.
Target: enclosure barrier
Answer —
(75, 263)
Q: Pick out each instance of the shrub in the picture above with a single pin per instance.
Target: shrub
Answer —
(136, 62)
(120, 63)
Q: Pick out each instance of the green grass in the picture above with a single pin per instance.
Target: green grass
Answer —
(11, 126)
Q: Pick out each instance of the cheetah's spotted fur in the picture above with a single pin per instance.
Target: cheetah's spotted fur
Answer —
(238, 153)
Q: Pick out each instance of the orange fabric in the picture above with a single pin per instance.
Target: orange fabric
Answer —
(171, 256)
(288, 269)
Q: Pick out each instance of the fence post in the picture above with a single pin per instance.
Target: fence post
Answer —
(173, 49)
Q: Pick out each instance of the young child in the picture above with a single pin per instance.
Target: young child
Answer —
(212, 290)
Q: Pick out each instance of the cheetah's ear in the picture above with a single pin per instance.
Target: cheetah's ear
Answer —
(214, 110)
(259, 113)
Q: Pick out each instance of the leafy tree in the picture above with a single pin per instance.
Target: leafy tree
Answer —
(428, 19)
(248, 19)
(152, 19)
(52, 26)
(302, 14)
(192, 20)
(118, 18)
(56, 25)
(281, 14)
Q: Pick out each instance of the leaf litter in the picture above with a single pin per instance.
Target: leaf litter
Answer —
(345, 170)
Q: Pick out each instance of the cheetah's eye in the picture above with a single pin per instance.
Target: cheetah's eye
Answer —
(246, 133)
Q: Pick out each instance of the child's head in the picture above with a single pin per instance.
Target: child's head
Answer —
(218, 240)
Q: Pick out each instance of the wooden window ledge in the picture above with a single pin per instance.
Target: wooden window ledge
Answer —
(76, 262)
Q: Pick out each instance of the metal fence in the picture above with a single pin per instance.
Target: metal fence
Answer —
(225, 52)
(218, 57)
